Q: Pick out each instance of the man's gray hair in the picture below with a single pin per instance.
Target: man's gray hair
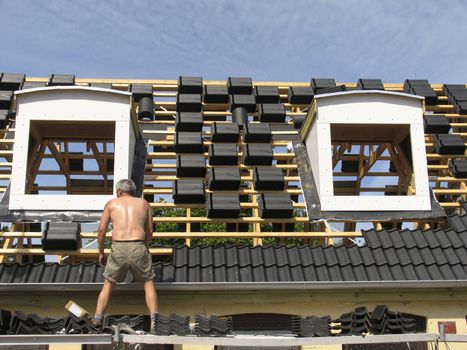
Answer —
(127, 186)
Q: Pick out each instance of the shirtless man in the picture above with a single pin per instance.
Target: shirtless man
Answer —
(131, 234)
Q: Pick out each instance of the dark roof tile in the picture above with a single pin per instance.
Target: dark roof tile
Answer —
(318, 256)
(430, 237)
(342, 255)
(426, 255)
(407, 237)
(330, 255)
(371, 239)
(419, 238)
(454, 238)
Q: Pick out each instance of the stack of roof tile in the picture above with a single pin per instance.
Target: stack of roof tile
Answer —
(5, 318)
(135, 322)
(79, 325)
(21, 323)
(213, 326)
(380, 321)
(311, 326)
(172, 325)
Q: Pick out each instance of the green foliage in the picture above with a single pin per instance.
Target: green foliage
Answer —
(212, 227)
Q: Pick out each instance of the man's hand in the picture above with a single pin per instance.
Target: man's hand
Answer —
(102, 259)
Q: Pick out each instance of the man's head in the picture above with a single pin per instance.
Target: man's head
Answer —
(125, 186)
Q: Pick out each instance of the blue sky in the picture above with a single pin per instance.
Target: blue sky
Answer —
(267, 40)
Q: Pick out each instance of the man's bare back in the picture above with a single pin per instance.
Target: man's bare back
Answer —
(129, 216)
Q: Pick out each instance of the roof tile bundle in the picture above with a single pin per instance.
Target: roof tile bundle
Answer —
(216, 94)
(244, 101)
(214, 326)
(370, 84)
(449, 144)
(421, 87)
(257, 132)
(267, 94)
(272, 113)
(311, 326)
(225, 132)
(239, 86)
(438, 124)
(172, 324)
(189, 121)
(458, 168)
(223, 154)
(322, 83)
(457, 96)
(11, 81)
(188, 142)
(191, 165)
(139, 91)
(190, 85)
(21, 323)
(61, 79)
(61, 236)
(300, 95)
(135, 322)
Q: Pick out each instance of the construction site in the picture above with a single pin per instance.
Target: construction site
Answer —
(295, 215)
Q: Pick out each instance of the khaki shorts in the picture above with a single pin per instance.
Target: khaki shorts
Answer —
(133, 256)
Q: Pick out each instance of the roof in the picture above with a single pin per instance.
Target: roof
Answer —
(389, 258)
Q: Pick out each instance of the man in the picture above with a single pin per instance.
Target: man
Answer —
(131, 233)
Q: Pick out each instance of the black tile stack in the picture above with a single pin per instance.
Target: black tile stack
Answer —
(257, 154)
(354, 323)
(370, 84)
(225, 132)
(271, 113)
(188, 142)
(223, 154)
(223, 206)
(257, 133)
(421, 87)
(61, 236)
(224, 179)
(214, 326)
(247, 102)
(300, 95)
(21, 323)
(436, 124)
(188, 191)
(172, 325)
(5, 319)
(135, 322)
(318, 84)
(448, 144)
(191, 165)
(242, 99)
(61, 79)
(457, 96)
(458, 168)
(330, 90)
(267, 94)
(268, 179)
(142, 94)
(11, 81)
(216, 94)
(5, 103)
(79, 325)
(275, 206)
(188, 136)
(189, 139)
(189, 121)
(33, 85)
(311, 326)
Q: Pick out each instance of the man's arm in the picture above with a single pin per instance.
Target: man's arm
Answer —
(103, 224)
(149, 226)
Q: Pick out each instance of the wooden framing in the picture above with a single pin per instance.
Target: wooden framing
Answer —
(161, 172)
